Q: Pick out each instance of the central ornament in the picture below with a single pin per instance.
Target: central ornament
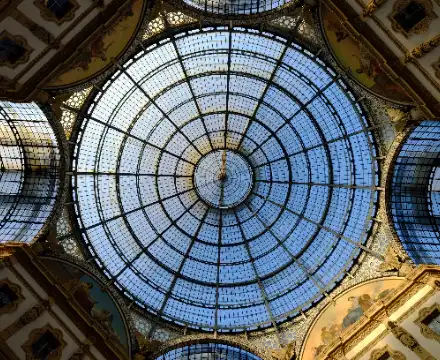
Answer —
(223, 179)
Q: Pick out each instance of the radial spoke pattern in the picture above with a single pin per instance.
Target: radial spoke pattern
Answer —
(224, 179)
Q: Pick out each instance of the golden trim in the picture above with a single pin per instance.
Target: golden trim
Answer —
(35, 334)
(20, 40)
(376, 354)
(11, 307)
(48, 15)
(372, 7)
(424, 328)
(422, 26)
(423, 49)
(436, 67)
(409, 341)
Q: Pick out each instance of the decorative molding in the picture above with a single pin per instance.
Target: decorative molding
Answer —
(409, 341)
(16, 289)
(48, 15)
(36, 334)
(422, 49)
(424, 328)
(372, 7)
(436, 67)
(377, 354)
(40, 32)
(29, 316)
(422, 26)
(21, 41)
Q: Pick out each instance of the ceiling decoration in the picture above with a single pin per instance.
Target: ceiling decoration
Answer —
(211, 108)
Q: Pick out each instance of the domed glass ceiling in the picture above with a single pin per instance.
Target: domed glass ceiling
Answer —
(224, 179)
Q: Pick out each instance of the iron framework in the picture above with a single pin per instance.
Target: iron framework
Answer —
(29, 171)
(415, 194)
(313, 159)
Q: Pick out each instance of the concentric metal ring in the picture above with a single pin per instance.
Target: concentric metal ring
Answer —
(268, 256)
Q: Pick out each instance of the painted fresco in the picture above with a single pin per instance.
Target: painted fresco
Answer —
(361, 64)
(347, 310)
(88, 294)
(97, 56)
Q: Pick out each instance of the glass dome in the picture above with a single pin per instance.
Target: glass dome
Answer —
(238, 7)
(208, 351)
(224, 179)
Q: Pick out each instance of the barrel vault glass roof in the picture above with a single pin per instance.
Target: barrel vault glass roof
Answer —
(274, 116)
(208, 351)
(240, 7)
(415, 194)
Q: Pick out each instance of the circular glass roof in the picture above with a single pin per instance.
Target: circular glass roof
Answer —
(240, 7)
(224, 179)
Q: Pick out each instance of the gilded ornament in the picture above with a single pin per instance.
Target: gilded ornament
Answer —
(409, 341)
(394, 261)
(422, 322)
(386, 353)
(422, 49)
(419, 28)
(285, 353)
(372, 6)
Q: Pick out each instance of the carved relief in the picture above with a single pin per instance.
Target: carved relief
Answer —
(393, 261)
(379, 354)
(372, 6)
(409, 341)
(48, 15)
(425, 315)
(422, 49)
(285, 353)
(36, 335)
(10, 296)
(417, 25)
(28, 317)
(19, 48)
(436, 67)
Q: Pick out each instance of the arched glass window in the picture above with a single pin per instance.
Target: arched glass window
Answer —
(208, 351)
(225, 179)
(415, 194)
(29, 171)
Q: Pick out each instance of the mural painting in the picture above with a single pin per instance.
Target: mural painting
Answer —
(97, 56)
(88, 294)
(348, 308)
(365, 68)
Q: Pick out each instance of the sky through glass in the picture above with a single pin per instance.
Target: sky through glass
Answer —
(224, 179)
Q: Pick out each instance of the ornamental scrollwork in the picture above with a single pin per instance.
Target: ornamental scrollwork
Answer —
(424, 315)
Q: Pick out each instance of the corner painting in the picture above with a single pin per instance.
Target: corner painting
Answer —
(361, 64)
(89, 295)
(347, 310)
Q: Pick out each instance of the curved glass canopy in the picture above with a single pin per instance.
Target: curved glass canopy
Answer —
(240, 7)
(224, 179)
(29, 171)
(208, 351)
(415, 194)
